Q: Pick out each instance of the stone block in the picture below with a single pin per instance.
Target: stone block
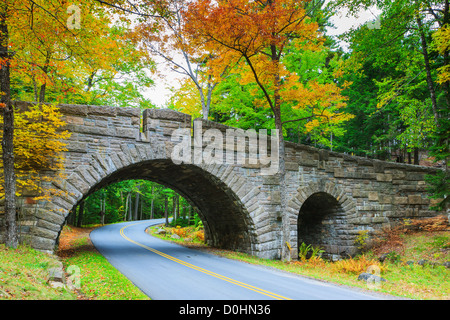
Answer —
(339, 173)
(373, 195)
(81, 110)
(102, 111)
(400, 200)
(414, 199)
(384, 177)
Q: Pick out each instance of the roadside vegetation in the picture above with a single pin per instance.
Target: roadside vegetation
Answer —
(24, 272)
(24, 275)
(99, 280)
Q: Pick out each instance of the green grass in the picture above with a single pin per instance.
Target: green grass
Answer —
(24, 274)
(99, 280)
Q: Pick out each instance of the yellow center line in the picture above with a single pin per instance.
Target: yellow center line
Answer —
(213, 274)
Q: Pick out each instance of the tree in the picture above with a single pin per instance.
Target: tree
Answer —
(11, 238)
(165, 36)
(258, 33)
(413, 41)
(51, 55)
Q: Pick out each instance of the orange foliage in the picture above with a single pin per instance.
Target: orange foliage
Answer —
(257, 32)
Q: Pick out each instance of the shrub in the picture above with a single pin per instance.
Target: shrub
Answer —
(361, 239)
(200, 235)
(309, 252)
(355, 266)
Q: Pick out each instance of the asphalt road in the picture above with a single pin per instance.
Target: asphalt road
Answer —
(166, 271)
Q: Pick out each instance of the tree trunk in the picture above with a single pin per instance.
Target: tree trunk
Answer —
(45, 70)
(11, 236)
(285, 221)
(130, 217)
(152, 204)
(166, 209)
(80, 214)
(175, 213)
(136, 205)
(430, 82)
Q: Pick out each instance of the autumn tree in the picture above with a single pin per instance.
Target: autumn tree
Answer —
(165, 36)
(259, 33)
(54, 47)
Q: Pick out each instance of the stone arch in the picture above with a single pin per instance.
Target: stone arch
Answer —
(320, 215)
(218, 191)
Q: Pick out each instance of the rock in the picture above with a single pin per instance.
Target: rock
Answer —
(422, 262)
(175, 236)
(161, 231)
(410, 263)
(56, 274)
(446, 264)
(368, 276)
(335, 257)
(383, 257)
(56, 284)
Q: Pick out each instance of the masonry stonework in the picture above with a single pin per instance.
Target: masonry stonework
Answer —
(332, 196)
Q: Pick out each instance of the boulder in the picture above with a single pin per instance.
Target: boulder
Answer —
(365, 276)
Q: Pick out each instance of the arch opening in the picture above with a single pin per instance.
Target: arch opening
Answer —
(321, 223)
(226, 221)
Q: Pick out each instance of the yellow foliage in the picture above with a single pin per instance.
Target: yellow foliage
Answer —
(39, 144)
(441, 43)
(200, 235)
(356, 266)
(187, 100)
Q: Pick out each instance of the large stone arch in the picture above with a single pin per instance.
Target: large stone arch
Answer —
(320, 214)
(218, 191)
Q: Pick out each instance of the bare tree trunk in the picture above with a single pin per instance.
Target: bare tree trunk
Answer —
(80, 214)
(45, 70)
(175, 213)
(11, 236)
(430, 82)
(136, 205)
(166, 209)
(130, 217)
(152, 204)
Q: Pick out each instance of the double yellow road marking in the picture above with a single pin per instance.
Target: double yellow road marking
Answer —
(194, 267)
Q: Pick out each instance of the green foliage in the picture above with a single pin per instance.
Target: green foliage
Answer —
(439, 188)
(119, 197)
(309, 252)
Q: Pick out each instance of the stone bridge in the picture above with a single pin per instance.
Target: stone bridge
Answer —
(332, 196)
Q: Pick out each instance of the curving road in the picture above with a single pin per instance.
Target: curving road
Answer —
(166, 271)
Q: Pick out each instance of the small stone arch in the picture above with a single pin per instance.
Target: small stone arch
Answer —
(320, 215)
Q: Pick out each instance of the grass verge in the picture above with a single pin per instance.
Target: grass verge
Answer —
(24, 274)
(98, 279)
